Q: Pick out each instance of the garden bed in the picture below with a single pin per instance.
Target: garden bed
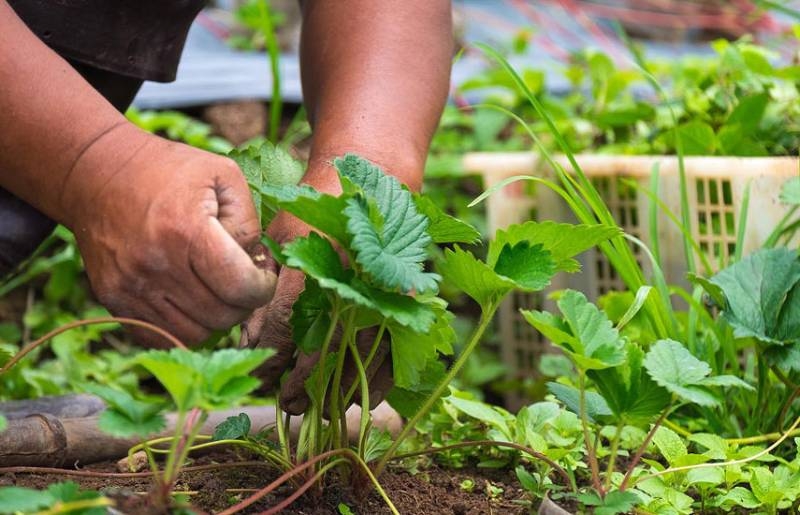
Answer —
(431, 491)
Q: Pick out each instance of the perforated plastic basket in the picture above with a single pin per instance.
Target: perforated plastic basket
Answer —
(715, 187)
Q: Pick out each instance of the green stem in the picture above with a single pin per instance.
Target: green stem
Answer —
(76, 506)
(640, 452)
(612, 460)
(486, 319)
(273, 53)
(166, 479)
(372, 351)
(362, 380)
(282, 429)
(336, 412)
(314, 417)
(590, 449)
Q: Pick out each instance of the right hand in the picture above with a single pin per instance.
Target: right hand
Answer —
(164, 230)
(270, 327)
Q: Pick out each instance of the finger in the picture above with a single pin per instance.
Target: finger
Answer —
(293, 397)
(276, 331)
(228, 271)
(202, 306)
(177, 322)
(236, 211)
(253, 327)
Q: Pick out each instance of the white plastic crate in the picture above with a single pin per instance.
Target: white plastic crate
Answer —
(715, 187)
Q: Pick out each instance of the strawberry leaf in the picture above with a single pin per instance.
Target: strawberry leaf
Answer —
(389, 234)
(563, 241)
(412, 351)
(672, 366)
(585, 333)
(529, 266)
(232, 428)
(319, 210)
(444, 228)
(762, 296)
(126, 416)
(475, 278)
(315, 256)
(311, 317)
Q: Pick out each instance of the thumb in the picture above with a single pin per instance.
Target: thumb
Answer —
(228, 271)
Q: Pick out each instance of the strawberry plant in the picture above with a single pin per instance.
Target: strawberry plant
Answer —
(366, 275)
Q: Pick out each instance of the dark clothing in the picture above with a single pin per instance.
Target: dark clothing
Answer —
(136, 38)
(115, 45)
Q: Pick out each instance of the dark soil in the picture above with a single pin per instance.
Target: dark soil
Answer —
(430, 492)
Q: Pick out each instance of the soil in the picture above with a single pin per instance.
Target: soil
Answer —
(434, 491)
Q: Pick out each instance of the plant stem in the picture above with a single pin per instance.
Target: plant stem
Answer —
(590, 449)
(336, 412)
(612, 460)
(362, 380)
(77, 506)
(486, 319)
(308, 464)
(90, 321)
(372, 351)
(643, 448)
(305, 486)
(273, 53)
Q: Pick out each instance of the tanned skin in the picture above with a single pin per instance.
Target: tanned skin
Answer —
(164, 228)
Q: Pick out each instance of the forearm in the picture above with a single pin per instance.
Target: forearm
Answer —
(49, 119)
(375, 79)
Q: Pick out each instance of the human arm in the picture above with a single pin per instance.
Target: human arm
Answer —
(375, 79)
(161, 226)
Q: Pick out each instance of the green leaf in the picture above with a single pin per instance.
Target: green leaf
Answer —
(266, 165)
(630, 393)
(596, 405)
(315, 256)
(475, 278)
(3, 423)
(319, 210)
(392, 254)
(407, 401)
(444, 228)
(672, 366)
(762, 299)
(697, 138)
(232, 428)
(391, 249)
(15, 499)
(207, 381)
(563, 241)
(530, 267)
(311, 317)
(749, 112)
(126, 416)
(486, 413)
(412, 351)
(714, 292)
(737, 496)
(670, 445)
(615, 502)
(585, 333)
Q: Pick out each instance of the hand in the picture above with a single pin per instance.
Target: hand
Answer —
(164, 230)
(270, 327)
